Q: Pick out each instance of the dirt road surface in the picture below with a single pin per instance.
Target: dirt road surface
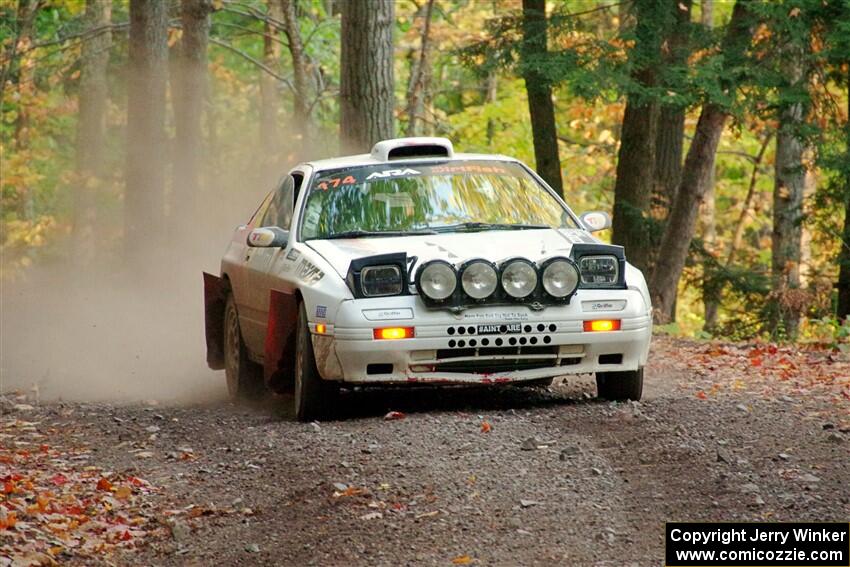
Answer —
(505, 476)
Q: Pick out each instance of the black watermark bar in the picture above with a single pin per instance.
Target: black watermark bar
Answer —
(761, 544)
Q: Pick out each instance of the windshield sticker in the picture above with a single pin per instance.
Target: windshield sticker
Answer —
(309, 272)
(469, 168)
(365, 174)
(335, 182)
(392, 173)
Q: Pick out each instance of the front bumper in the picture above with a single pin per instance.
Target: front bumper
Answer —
(447, 347)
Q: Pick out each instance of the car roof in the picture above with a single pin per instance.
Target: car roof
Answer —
(367, 159)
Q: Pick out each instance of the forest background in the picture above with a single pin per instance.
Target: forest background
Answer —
(136, 134)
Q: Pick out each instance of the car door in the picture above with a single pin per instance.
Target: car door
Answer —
(255, 313)
(280, 274)
(238, 253)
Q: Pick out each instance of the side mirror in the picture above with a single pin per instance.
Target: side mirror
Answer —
(268, 237)
(596, 220)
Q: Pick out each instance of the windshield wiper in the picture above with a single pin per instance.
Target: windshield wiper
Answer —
(477, 226)
(369, 233)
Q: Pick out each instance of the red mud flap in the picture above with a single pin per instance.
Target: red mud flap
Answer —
(214, 320)
(279, 355)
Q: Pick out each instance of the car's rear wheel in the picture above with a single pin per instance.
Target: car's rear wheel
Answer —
(620, 386)
(244, 377)
(314, 398)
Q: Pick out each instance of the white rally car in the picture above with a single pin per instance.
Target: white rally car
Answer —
(417, 265)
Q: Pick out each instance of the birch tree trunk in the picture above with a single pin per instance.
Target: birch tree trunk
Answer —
(540, 105)
(367, 78)
(91, 127)
(145, 176)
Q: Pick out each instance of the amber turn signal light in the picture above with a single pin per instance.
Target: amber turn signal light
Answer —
(321, 328)
(391, 333)
(602, 325)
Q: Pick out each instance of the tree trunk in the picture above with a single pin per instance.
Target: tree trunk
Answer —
(366, 69)
(670, 133)
(844, 255)
(492, 96)
(668, 156)
(843, 311)
(707, 16)
(190, 100)
(300, 74)
(91, 127)
(696, 173)
(636, 157)
(270, 136)
(788, 192)
(633, 187)
(145, 177)
(418, 72)
(539, 89)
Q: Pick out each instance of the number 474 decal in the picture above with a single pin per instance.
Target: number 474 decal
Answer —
(336, 182)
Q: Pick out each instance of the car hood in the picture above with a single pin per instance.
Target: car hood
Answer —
(455, 247)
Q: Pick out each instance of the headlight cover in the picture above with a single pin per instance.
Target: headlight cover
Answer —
(381, 275)
(437, 280)
(519, 278)
(560, 277)
(380, 281)
(599, 271)
(479, 279)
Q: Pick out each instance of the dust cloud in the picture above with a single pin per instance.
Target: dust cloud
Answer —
(112, 332)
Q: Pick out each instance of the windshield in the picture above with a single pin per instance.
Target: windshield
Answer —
(386, 200)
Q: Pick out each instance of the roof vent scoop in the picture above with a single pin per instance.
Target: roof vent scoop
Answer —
(405, 148)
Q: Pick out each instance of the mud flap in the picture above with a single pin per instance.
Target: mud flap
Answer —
(214, 320)
(279, 355)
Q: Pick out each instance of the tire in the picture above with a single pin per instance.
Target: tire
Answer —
(620, 386)
(314, 398)
(244, 377)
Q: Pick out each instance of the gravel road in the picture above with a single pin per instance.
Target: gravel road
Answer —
(506, 476)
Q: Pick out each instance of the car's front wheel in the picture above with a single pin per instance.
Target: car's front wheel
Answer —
(314, 398)
(620, 386)
(244, 377)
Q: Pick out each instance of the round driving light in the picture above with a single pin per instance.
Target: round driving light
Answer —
(437, 280)
(519, 278)
(479, 279)
(560, 278)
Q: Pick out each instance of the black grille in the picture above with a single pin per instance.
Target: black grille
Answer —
(497, 351)
(490, 366)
